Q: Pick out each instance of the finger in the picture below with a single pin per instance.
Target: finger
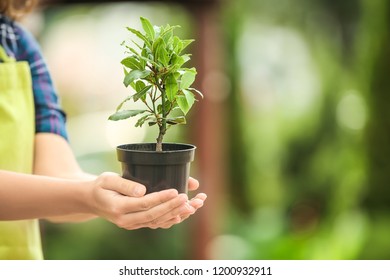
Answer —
(196, 202)
(193, 184)
(131, 188)
(149, 201)
(182, 210)
(190, 209)
(160, 214)
(201, 196)
(169, 224)
(114, 182)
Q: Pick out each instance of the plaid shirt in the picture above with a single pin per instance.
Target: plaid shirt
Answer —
(21, 45)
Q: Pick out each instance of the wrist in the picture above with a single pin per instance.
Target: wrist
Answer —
(84, 196)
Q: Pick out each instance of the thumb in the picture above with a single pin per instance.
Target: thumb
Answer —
(123, 186)
(131, 188)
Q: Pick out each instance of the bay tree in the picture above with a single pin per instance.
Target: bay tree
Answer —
(154, 67)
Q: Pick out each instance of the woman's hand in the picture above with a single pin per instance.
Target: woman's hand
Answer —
(124, 203)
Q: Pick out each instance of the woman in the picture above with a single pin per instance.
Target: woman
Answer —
(39, 175)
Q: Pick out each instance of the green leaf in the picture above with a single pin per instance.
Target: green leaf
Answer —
(123, 102)
(186, 57)
(186, 43)
(139, 85)
(133, 86)
(187, 78)
(142, 120)
(134, 75)
(141, 94)
(163, 56)
(177, 45)
(140, 35)
(148, 27)
(185, 101)
(157, 30)
(153, 122)
(177, 120)
(167, 105)
(131, 62)
(125, 114)
(168, 29)
(135, 43)
(133, 51)
(156, 45)
(141, 90)
(196, 91)
(144, 58)
(177, 61)
(171, 87)
(167, 35)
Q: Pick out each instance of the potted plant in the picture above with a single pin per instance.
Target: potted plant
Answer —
(155, 69)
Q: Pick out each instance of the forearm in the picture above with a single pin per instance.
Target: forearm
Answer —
(54, 158)
(77, 217)
(30, 196)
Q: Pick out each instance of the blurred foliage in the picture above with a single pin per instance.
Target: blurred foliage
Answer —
(315, 181)
(99, 239)
(309, 138)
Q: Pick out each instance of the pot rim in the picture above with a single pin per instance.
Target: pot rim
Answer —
(186, 147)
(152, 157)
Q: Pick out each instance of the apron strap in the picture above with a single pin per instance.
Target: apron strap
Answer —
(4, 57)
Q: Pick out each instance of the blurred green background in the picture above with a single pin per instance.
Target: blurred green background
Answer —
(304, 86)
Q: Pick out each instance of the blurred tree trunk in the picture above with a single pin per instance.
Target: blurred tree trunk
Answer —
(210, 126)
(378, 130)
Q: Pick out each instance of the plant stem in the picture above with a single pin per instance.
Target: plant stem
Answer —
(163, 126)
(159, 141)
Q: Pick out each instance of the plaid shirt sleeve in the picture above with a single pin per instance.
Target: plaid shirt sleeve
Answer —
(18, 42)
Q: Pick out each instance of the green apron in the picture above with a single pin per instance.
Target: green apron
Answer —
(18, 239)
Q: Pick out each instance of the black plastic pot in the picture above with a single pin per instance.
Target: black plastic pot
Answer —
(157, 170)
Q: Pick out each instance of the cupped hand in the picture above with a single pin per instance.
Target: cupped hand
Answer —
(124, 203)
(196, 202)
